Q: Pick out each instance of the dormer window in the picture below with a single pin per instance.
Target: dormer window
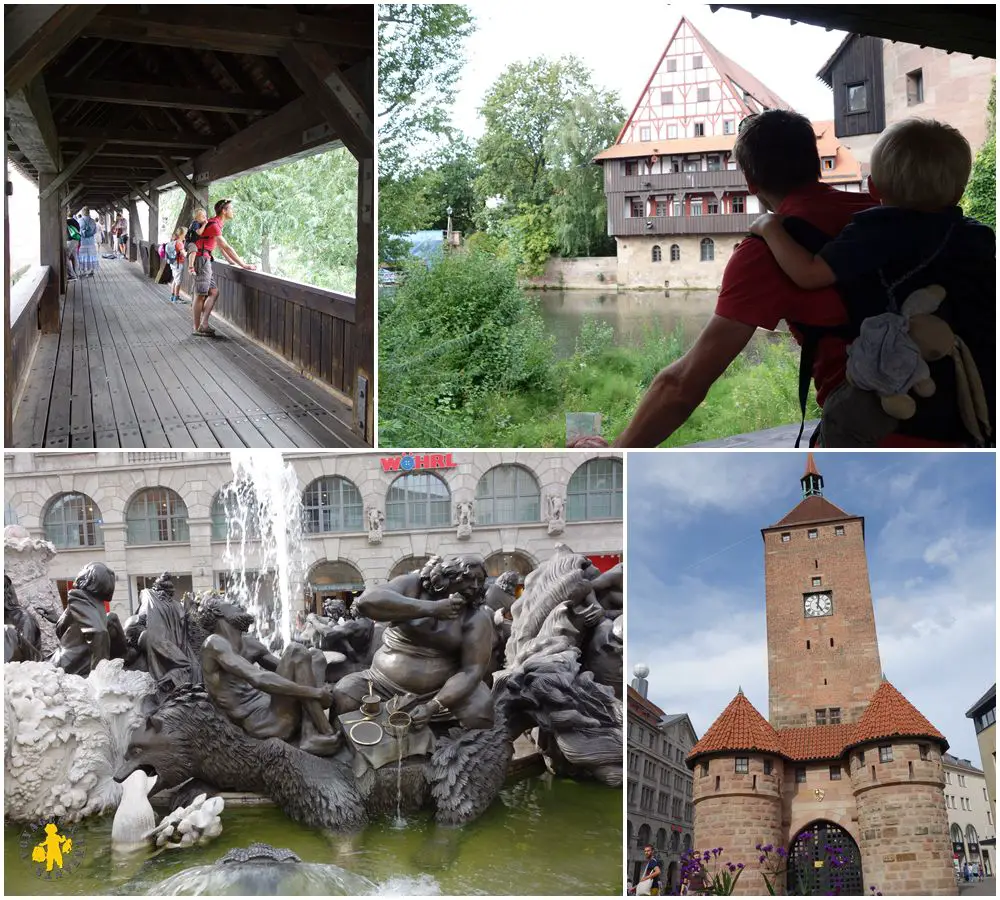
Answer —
(857, 97)
(828, 163)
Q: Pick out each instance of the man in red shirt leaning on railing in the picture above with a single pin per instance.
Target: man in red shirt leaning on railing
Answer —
(200, 265)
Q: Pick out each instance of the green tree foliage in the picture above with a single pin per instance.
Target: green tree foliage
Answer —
(298, 220)
(545, 121)
(453, 337)
(421, 55)
(980, 200)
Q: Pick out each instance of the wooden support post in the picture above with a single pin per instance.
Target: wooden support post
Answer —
(153, 201)
(146, 198)
(364, 291)
(198, 195)
(50, 253)
(321, 80)
(134, 230)
(78, 162)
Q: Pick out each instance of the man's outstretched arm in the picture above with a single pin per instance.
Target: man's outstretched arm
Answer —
(677, 390)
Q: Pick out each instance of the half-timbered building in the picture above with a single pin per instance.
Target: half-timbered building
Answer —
(677, 203)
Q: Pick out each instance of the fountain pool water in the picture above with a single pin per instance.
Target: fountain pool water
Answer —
(264, 507)
(541, 836)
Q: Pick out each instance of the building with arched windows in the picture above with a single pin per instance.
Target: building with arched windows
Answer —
(970, 817)
(365, 517)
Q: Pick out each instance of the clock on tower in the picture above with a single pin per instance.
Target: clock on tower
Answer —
(822, 653)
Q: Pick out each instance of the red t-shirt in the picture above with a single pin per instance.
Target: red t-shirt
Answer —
(212, 229)
(756, 292)
(179, 248)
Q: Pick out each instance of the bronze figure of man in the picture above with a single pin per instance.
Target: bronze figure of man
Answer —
(266, 696)
(436, 650)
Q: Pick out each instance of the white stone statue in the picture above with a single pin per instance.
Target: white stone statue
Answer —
(465, 512)
(64, 737)
(26, 562)
(376, 522)
(556, 513)
(197, 823)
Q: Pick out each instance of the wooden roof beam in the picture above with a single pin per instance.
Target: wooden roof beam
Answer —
(31, 126)
(261, 32)
(142, 196)
(162, 96)
(35, 34)
(77, 163)
(322, 82)
(162, 139)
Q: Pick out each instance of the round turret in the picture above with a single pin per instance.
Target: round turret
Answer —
(898, 785)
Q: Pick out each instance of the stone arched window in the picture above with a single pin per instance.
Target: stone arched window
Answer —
(506, 495)
(156, 515)
(675, 841)
(957, 837)
(657, 253)
(235, 512)
(687, 843)
(331, 503)
(643, 837)
(595, 491)
(73, 520)
(971, 835)
(661, 839)
(417, 500)
(707, 250)
(675, 253)
(408, 564)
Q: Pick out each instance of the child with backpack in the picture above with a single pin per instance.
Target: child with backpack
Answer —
(72, 247)
(174, 253)
(916, 239)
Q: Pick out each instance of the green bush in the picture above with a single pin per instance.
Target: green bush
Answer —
(465, 362)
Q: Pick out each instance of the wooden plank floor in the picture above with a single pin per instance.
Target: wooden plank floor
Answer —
(126, 371)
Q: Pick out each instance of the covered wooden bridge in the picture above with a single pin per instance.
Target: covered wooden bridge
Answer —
(109, 105)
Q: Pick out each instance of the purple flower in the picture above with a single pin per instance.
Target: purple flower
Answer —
(761, 859)
(782, 852)
(739, 865)
(768, 848)
(732, 868)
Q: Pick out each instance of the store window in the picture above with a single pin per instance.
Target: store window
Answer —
(332, 504)
(507, 495)
(419, 500)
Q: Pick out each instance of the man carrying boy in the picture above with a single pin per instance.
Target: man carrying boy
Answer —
(776, 150)
(200, 265)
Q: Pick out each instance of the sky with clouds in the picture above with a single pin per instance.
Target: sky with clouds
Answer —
(622, 45)
(696, 573)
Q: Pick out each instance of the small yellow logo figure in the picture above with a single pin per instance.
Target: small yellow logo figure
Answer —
(51, 850)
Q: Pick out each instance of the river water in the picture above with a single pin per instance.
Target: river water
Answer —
(630, 313)
(541, 836)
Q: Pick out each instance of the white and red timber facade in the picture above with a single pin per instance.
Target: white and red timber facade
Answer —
(677, 203)
(845, 772)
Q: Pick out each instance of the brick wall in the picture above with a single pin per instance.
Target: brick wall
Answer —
(902, 820)
(806, 671)
(737, 812)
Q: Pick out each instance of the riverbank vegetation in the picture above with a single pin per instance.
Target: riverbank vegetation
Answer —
(464, 361)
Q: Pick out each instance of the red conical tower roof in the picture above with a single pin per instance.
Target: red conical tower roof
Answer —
(890, 714)
(811, 465)
(740, 727)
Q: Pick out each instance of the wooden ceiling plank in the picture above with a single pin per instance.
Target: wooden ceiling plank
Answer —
(243, 30)
(343, 107)
(35, 34)
(161, 96)
(31, 126)
(78, 162)
(164, 139)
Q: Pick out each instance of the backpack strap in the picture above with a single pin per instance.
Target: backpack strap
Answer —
(811, 336)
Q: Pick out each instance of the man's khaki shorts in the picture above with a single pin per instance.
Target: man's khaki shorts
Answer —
(204, 279)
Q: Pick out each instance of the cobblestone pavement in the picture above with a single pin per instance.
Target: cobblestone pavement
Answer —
(987, 888)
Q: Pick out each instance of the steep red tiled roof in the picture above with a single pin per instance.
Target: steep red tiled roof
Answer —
(817, 742)
(740, 727)
(890, 714)
(736, 73)
(814, 509)
(642, 707)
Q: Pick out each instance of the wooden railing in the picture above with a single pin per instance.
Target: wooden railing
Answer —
(24, 332)
(312, 328)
